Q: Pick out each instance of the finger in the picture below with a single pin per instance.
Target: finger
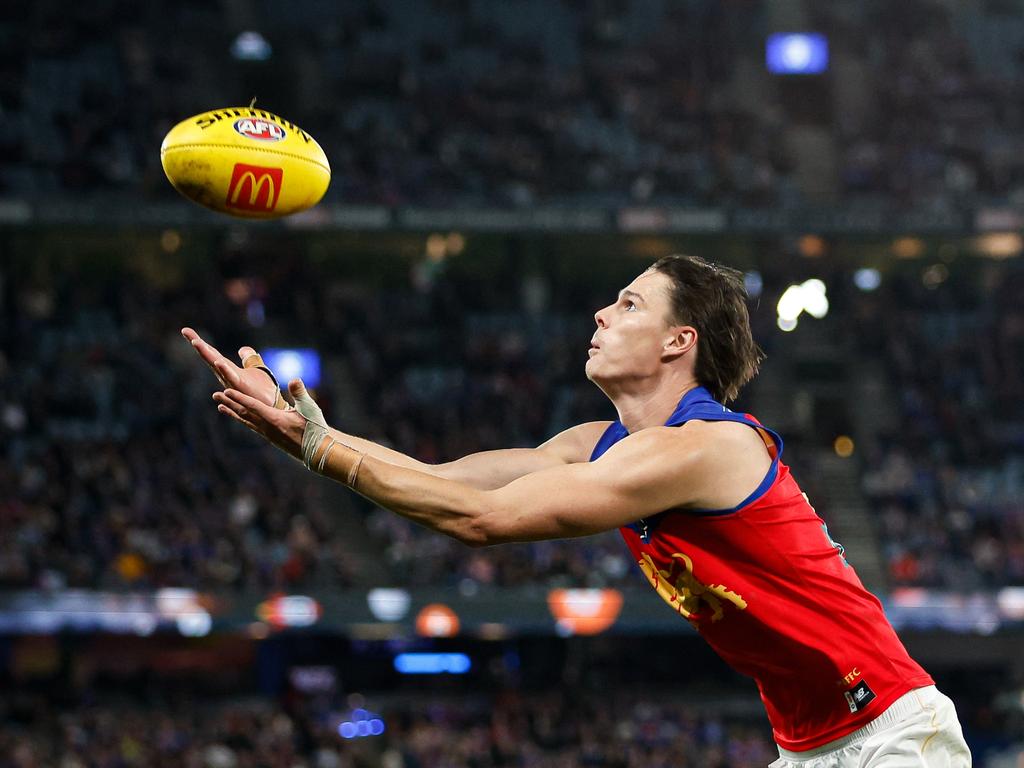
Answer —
(250, 357)
(227, 373)
(228, 412)
(225, 401)
(296, 388)
(207, 351)
(251, 404)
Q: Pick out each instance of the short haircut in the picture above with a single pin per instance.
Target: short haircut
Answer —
(713, 300)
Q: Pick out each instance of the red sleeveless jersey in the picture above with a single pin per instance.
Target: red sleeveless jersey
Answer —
(771, 592)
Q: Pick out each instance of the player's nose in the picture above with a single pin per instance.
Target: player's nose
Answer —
(599, 318)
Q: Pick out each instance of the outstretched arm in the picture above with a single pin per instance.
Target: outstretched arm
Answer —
(493, 469)
(485, 470)
(645, 473)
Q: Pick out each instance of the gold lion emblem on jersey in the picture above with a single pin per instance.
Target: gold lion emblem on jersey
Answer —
(682, 590)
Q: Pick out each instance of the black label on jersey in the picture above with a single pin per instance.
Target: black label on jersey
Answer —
(859, 696)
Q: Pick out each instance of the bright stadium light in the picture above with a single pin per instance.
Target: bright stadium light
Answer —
(867, 279)
(195, 624)
(251, 46)
(388, 603)
(815, 301)
(809, 296)
(361, 725)
(798, 53)
(791, 303)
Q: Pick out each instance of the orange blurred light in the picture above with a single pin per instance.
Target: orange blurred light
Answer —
(843, 447)
(811, 246)
(585, 611)
(437, 620)
(907, 247)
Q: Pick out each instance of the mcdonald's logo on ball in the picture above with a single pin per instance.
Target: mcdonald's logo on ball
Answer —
(254, 188)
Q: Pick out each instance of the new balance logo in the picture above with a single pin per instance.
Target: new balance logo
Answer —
(859, 696)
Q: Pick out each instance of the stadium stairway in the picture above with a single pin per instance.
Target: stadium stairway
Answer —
(842, 478)
(817, 165)
(347, 409)
(875, 412)
(816, 357)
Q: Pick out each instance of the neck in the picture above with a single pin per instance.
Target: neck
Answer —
(639, 409)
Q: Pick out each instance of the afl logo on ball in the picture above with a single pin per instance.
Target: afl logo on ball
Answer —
(261, 130)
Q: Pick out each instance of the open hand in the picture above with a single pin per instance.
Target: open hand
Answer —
(283, 428)
(247, 379)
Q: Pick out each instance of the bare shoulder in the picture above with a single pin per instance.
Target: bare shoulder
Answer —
(706, 439)
(723, 435)
(718, 463)
(703, 465)
(731, 459)
(576, 444)
(726, 445)
(690, 441)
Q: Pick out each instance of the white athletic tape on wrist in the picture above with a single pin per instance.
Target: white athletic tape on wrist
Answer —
(323, 456)
(316, 428)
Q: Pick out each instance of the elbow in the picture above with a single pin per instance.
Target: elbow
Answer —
(482, 521)
(484, 530)
(476, 534)
(475, 542)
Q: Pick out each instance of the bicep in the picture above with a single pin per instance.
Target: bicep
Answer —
(575, 444)
(638, 477)
(488, 470)
(493, 469)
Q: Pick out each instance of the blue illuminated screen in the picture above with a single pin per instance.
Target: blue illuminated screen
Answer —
(288, 364)
(798, 53)
(432, 663)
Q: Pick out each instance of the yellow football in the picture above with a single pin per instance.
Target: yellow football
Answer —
(245, 162)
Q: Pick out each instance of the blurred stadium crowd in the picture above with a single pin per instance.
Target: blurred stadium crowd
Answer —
(945, 483)
(118, 471)
(552, 730)
(469, 101)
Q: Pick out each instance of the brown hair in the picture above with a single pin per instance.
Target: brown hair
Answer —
(713, 300)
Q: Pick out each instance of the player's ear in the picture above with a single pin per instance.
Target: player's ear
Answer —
(682, 340)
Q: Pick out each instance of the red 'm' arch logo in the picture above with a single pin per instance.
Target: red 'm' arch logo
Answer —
(254, 188)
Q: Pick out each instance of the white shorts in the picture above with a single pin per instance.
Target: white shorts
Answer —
(918, 730)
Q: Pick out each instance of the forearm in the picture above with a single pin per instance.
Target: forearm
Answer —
(485, 470)
(445, 506)
(378, 451)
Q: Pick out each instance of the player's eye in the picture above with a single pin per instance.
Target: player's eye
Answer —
(630, 306)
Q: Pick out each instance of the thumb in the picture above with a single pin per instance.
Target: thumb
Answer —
(305, 404)
(245, 352)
